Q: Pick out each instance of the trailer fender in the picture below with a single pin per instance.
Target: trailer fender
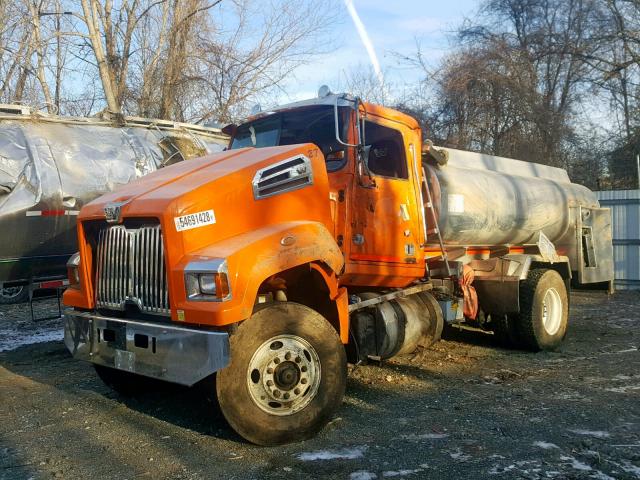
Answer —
(497, 280)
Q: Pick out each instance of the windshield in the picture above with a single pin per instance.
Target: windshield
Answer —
(308, 125)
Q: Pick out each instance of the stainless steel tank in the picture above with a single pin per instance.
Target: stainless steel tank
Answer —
(484, 200)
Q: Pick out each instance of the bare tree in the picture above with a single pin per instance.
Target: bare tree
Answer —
(182, 59)
(512, 86)
(110, 30)
(259, 47)
(39, 46)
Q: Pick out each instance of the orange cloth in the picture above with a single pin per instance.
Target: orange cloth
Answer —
(470, 305)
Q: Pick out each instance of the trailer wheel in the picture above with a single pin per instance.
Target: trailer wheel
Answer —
(544, 310)
(11, 295)
(286, 376)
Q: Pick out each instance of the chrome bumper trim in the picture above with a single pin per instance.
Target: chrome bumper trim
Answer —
(166, 352)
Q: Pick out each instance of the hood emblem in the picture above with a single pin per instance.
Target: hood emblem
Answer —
(112, 211)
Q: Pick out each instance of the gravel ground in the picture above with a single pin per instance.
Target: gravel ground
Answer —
(463, 409)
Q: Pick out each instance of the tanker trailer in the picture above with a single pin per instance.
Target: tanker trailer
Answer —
(504, 218)
(50, 166)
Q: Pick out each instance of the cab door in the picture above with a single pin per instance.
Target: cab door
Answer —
(385, 237)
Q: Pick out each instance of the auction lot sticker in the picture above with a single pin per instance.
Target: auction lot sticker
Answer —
(195, 220)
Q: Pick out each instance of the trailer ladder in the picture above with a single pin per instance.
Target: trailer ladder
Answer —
(436, 228)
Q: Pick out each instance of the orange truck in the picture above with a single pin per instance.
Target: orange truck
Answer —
(326, 232)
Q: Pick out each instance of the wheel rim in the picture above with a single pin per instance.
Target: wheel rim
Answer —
(551, 311)
(12, 292)
(284, 375)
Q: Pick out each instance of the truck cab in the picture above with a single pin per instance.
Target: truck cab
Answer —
(374, 172)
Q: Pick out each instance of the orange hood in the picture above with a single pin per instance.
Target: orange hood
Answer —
(223, 183)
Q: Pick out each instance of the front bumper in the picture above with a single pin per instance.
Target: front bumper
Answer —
(166, 352)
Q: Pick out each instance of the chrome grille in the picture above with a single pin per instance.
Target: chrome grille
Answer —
(131, 268)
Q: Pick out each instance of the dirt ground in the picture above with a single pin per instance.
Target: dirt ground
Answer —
(464, 409)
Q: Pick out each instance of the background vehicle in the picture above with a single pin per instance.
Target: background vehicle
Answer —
(51, 166)
(323, 227)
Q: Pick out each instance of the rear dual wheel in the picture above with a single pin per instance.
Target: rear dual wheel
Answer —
(286, 377)
(544, 313)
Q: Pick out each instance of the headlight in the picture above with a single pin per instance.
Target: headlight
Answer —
(207, 281)
(73, 265)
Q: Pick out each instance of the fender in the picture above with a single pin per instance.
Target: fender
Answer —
(497, 280)
(337, 294)
(252, 258)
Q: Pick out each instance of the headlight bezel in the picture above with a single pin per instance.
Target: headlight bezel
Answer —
(214, 274)
(73, 269)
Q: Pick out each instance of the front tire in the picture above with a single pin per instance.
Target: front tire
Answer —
(544, 310)
(286, 377)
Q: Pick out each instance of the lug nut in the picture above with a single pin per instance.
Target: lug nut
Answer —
(288, 356)
(269, 383)
(276, 393)
(286, 396)
(303, 368)
(269, 371)
(303, 381)
(276, 360)
(298, 359)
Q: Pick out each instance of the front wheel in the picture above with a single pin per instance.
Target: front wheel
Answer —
(544, 310)
(286, 377)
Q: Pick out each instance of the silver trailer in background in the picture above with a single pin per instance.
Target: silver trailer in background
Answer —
(50, 166)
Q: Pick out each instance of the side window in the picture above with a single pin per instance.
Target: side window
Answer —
(385, 151)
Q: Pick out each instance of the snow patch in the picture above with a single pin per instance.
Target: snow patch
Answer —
(498, 470)
(624, 389)
(576, 464)
(625, 377)
(362, 475)
(545, 445)
(598, 475)
(459, 455)
(629, 467)
(583, 467)
(12, 339)
(400, 473)
(591, 433)
(342, 454)
(424, 436)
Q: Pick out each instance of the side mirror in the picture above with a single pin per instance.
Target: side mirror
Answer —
(362, 151)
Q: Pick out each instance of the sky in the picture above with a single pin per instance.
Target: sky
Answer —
(393, 27)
